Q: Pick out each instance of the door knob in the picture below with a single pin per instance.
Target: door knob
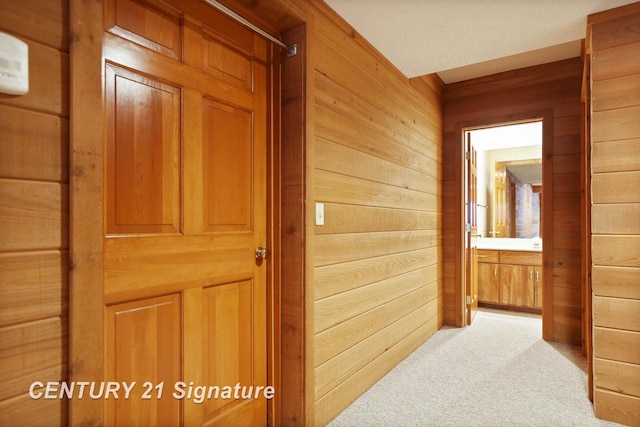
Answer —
(261, 253)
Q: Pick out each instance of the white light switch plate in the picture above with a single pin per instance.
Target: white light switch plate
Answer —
(319, 213)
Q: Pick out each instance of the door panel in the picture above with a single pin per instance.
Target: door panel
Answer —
(228, 314)
(151, 23)
(537, 290)
(185, 208)
(143, 154)
(517, 284)
(471, 221)
(144, 345)
(228, 176)
(488, 283)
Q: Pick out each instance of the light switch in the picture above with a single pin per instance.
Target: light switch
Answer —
(319, 213)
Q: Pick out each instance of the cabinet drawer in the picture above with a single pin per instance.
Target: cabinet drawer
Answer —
(486, 255)
(520, 257)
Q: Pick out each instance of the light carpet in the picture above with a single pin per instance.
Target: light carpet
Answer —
(496, 372)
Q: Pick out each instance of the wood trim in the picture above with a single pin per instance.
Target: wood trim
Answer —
(611, 14)
(86, 190)
(274, 276)
(292, 233)
(547, 226)
(547, 206)
(585, 172)
(459, 234)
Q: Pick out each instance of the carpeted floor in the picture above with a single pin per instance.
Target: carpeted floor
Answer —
(497, 372)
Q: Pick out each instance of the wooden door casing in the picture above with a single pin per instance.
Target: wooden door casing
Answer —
(471, 223)
(186, 119)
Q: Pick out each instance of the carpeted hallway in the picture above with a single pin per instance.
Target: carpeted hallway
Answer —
(497, 372)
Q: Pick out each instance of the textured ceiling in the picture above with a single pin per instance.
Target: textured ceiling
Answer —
(462, 39)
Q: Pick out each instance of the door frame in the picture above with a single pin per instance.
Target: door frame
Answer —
(470, 255)
(547, 209)
(86, 209)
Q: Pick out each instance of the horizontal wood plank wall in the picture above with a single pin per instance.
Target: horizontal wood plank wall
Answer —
(376, 151)
(615, 181)
(34, 141)
(557, 87)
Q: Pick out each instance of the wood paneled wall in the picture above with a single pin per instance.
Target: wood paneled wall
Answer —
(376, 158)
(34, 169)
(555, 88)
(614, 45)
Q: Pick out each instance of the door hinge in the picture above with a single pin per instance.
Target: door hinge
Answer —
(467, 155)
(467, 228)
(468, 299)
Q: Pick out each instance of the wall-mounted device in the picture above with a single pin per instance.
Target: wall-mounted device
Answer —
(14, 65)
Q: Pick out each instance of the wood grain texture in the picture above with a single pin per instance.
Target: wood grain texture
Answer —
(521, 257)
(377, 160)
(363, 379)
(32, 351)
(339, 308)
(34, 216)
(618, 282)
(616, 62)
(619, 313)
(505, 97)
(341, 367)
(616, 187)
(614, 125)
(614, 218)
(616, 344)
(34, 145)
(336, 278)
(616, 156)
(87, 159)
(32, 286)
(618, 376)
(343, 336)
(40, 412)
(617, 407)
(620, 251)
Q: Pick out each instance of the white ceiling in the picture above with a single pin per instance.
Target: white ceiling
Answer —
(510, 136)
(464, 39)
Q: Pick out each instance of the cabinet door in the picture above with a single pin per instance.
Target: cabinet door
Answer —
(488, 283)
(537, 290)
(516, 285)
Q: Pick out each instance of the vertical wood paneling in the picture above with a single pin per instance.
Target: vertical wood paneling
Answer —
(377, 168)
(34, 169)
(551, 87)
(615, 212)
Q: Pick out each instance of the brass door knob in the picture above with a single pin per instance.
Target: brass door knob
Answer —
(261, 253)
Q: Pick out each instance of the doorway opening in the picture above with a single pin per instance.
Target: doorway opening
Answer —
(503, 217)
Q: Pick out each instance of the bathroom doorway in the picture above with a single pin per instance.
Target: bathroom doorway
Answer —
(503, 217)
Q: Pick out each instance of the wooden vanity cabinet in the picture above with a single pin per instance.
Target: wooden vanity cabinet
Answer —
(488, 282)
(510, 278)
(537, 287)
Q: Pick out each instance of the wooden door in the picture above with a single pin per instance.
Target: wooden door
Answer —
(500, 200)
(471, 224)
(186, 117)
